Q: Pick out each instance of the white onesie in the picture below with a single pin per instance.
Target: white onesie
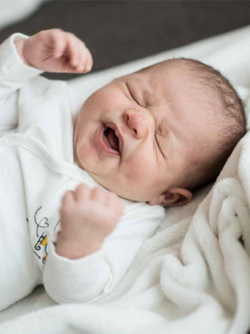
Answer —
(37, 167)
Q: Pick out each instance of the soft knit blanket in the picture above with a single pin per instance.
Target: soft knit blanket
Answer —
(193, 276)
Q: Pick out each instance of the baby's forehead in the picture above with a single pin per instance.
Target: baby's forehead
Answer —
(162, 76)
(149, 81)
(173, 84)
(166, 67)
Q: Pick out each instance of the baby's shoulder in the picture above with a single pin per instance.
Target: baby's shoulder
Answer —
(38, 87)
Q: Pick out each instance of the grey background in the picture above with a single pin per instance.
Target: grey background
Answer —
(120, 31)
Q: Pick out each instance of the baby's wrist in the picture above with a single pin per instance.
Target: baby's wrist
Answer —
(75, 249)
(19, 48)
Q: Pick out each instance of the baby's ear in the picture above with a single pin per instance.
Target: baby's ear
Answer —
(172, 197)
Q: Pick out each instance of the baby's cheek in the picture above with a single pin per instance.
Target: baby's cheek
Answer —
(139, 168)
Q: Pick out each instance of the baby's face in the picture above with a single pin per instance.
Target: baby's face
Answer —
(134, 136)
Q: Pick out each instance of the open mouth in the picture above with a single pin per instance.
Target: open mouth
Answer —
(111, 139)
(107, 138)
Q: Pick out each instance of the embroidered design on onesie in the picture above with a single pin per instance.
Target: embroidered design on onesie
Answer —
(42, 241)
(40, 246)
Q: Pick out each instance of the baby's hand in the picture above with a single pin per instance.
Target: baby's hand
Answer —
(87, 217)
(55, 50)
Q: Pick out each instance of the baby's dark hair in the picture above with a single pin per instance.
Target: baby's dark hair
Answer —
(229, 116)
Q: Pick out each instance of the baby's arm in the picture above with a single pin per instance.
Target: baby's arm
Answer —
(55, 50)
(22, 58)
(76, 269)
(13, 75)
(93, 276)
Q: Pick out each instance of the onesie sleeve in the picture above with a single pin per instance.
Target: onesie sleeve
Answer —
(91, 278)
(13, 75)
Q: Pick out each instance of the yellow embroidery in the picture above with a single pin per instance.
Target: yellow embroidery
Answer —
(44, 242)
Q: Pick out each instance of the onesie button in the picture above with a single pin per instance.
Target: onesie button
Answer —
(83, 176)
(5, 141)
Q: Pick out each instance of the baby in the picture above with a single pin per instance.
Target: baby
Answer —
(151, 137)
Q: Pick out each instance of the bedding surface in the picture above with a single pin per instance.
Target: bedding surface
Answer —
(193, 276)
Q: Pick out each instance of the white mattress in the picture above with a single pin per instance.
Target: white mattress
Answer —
(227, 53)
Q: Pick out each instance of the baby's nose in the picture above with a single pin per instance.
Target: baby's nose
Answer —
(138, 121)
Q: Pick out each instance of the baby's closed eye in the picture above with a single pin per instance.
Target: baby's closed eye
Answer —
(133, 95)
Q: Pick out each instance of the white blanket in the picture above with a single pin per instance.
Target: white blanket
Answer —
(193, 276)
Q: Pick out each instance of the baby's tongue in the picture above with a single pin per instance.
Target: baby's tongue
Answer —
(113, 140)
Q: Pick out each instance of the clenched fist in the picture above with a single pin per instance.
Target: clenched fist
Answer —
(87, 217)
(55, 50)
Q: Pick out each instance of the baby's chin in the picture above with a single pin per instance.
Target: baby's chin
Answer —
(126, 193)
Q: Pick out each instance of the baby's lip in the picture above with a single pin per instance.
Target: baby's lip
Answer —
(118, 134)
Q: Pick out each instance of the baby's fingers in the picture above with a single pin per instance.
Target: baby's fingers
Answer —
(85, 61)
(56, 41)
(80, 57)
(82, 193)
(73, 50)
(98, 195)
(68, 200)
